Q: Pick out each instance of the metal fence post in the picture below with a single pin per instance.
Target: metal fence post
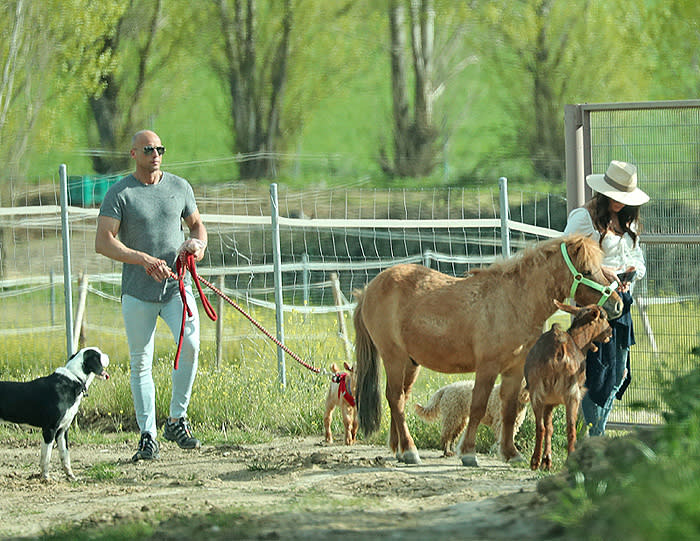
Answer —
(505, 214)
(342, 329)
(277, 269)
(65, 234)
(305, 278)
(426, 258)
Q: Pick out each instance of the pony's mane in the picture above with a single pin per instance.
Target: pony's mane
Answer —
(589, 252)
(586, 254)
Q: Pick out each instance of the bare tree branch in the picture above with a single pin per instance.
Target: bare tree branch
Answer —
(9, 70)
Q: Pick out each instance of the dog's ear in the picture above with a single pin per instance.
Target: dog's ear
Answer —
(347, 366)
(92, 361)
(334, 368)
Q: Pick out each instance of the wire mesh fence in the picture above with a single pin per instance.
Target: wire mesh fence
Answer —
(663, 140)
(332, 242)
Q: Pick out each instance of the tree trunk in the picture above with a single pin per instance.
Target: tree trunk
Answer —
(547, 148)
(256, 101)
(414, 138)
(117, 123)
(106, 116)
(402, 119)
(423, 26)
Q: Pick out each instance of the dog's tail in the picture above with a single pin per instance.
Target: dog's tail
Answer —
(430, 411)
(368, 399)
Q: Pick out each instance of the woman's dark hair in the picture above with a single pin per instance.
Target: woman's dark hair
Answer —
(600, 213)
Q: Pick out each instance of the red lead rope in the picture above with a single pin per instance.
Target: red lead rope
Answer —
(186, 261)
(189, 264)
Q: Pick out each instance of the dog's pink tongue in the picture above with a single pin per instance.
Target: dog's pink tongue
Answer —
(105, 375)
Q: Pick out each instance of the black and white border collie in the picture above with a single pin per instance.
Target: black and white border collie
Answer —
(51, 402)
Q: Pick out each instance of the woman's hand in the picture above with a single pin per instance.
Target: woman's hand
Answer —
(625, 285)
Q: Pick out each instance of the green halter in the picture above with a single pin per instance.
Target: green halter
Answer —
(579, 279)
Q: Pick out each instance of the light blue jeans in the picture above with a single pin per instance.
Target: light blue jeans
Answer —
(596, 416)
(140, 320)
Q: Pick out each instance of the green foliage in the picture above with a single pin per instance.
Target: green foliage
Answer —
(49, 54)
(682, 430)
(103, 471)
(337, 103)
(542, 55)
(673, 27)
(642, 487)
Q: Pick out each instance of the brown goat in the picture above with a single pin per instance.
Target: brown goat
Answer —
(555, 373)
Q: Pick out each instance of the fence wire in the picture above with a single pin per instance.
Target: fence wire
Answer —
(663, 140)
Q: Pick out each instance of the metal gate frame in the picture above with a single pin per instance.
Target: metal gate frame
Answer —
(579, 160)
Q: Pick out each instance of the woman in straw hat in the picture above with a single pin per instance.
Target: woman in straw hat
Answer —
(612, 218)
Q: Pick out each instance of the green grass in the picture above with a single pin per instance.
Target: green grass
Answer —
(232, 524)
(241, 400)
(103, 471)
(134, 530)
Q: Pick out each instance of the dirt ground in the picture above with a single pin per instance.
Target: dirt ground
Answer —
(292, 488)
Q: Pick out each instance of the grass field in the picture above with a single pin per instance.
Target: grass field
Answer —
(241, 400)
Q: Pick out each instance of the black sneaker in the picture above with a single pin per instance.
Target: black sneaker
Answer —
(148, 448)
(180, 433)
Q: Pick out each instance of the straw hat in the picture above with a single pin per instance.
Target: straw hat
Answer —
(619, 183)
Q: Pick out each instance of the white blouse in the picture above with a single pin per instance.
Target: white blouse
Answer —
(619, 252)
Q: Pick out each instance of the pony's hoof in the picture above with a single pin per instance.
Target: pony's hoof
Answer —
(517, 459)
(470, 460)
(411, 457)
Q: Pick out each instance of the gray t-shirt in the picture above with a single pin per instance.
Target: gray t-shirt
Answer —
(150, 218)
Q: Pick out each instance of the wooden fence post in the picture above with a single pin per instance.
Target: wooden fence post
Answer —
(220, 324)
(338, 298)
(79, 327)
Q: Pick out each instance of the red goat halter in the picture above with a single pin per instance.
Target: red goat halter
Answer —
(343, 389)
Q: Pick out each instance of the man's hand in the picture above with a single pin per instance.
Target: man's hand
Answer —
(194, 246)
(158, 270)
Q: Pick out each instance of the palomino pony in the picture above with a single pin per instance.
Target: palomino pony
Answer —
(412, 316)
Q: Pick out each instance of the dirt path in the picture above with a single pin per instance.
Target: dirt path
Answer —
(292, 488)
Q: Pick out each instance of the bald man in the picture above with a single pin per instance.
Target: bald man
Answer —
(140, 225)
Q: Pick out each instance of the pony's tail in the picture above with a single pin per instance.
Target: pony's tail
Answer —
(431, 410)
(368, 399)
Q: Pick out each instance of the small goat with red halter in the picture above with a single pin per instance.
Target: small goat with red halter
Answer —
(555, 372)
(341, 395)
